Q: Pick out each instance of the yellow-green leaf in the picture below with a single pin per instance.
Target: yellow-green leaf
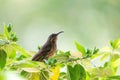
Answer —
(34, 76)
(104, 56)
(6, 34)
(11, 52)
(20, 49)
(116, 63)
(31, 70)
(80, 48)
(2, 36)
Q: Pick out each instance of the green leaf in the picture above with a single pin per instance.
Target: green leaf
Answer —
(96, 56)
(44, 75)
(80, 48)
(106, 64)
(62, 57)
(95, 50)
(20, 56)
(70, 75)
(9, 35)
(9, 27)
(60, 52)
(62, 76)
(11, 52)
(80, 70)
(68, 53)
(6, 33)
(76, 73)
(88, 76)
(115, 44)
(20, 49)
(51, 61)
(89, 53)
(3, 57)
(114, 57)
(115, 77)
(13, 37)
(24, 73)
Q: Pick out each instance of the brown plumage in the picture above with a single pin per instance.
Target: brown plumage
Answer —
(48, 49)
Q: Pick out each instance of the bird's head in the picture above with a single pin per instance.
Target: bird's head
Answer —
(53, 37)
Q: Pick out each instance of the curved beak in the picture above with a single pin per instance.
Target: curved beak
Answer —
(60, 32)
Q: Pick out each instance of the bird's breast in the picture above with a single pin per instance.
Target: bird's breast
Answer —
(53, 50)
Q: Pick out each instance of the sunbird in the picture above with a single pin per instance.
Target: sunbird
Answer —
(48, 49)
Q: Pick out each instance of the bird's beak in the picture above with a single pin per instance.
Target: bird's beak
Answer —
(60, 32)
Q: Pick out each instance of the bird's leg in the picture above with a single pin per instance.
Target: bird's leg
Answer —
(45, 61)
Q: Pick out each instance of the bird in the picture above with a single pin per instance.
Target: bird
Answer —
(48, 49)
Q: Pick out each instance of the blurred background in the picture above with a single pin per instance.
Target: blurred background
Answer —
(90, 22)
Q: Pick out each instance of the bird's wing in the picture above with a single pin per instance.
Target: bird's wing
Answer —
(42, 54)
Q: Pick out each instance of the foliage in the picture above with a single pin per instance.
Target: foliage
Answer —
(76, 73)
(63, 66)
(2, 58)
